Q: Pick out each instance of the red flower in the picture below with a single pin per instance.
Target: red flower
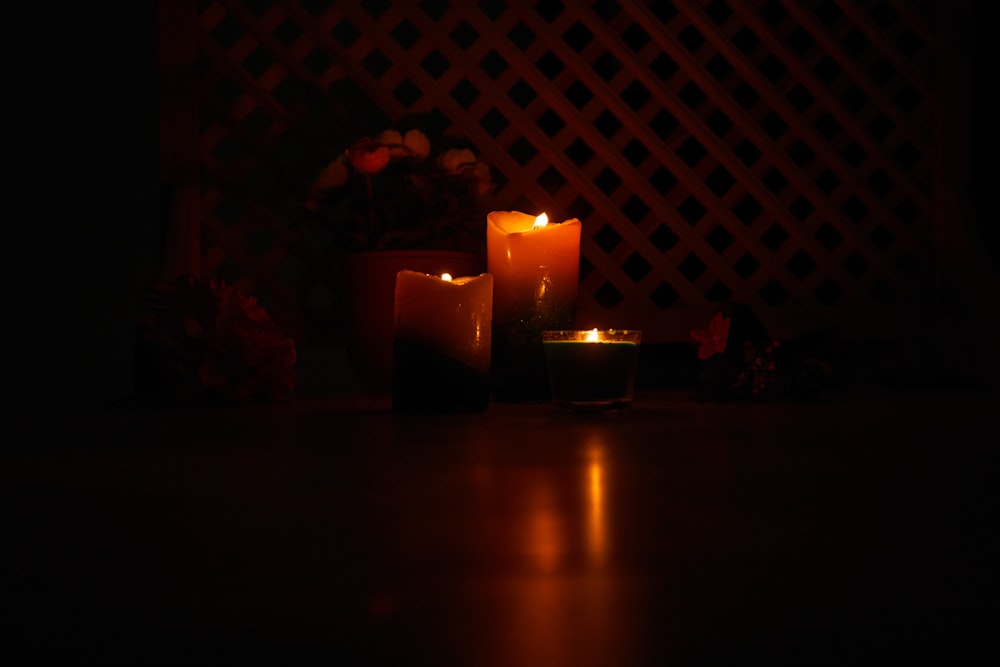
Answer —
(713, 339)
(397, 190)
(368, 156)
(212, 344)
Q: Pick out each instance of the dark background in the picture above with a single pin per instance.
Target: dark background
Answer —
(92, 245)
(85, 254)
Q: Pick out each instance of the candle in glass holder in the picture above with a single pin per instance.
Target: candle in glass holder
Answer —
(536, 269)
(592, 370)
(441, 345)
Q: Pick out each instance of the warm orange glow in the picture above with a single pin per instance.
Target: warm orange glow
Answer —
(596, 528)
(592, 336)
(540, 221)
(545, 539)
(446, 277)
(568, 616)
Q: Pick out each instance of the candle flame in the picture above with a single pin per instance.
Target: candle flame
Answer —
(540, 221)
(446, 277)
(592, 336)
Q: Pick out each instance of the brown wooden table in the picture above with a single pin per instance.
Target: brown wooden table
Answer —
(841, 532)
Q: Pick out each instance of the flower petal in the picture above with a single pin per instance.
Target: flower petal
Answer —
(333, 175)
(418, 143)
(713, 339)
(368, 156)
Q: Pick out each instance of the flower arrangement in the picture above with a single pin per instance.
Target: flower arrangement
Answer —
(741, 360)
(400, 190)
(204, 343)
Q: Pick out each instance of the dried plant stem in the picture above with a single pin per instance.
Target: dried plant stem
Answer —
(374, 233)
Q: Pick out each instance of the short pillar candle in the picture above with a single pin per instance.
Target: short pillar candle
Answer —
(441, 343)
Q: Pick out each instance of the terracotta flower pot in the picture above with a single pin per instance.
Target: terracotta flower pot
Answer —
(370, 279)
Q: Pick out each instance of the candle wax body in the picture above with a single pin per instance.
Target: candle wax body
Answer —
(598, 374)
(536, 271)
(536, 274)
(442, 343)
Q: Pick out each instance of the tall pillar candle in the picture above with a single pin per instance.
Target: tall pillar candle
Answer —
(441, 343)
(536, 270)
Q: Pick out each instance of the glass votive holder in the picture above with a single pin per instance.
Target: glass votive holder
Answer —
(592, 370)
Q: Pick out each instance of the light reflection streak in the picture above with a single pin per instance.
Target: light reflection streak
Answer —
(544, 538)
(596, 528)
(565, 614)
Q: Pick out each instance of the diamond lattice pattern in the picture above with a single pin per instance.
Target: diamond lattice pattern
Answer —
(777, 153)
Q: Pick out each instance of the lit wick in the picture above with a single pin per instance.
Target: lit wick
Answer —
(592, 336)
(446, 277)
(540, 221)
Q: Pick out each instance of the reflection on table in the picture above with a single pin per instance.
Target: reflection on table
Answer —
(676, 532)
